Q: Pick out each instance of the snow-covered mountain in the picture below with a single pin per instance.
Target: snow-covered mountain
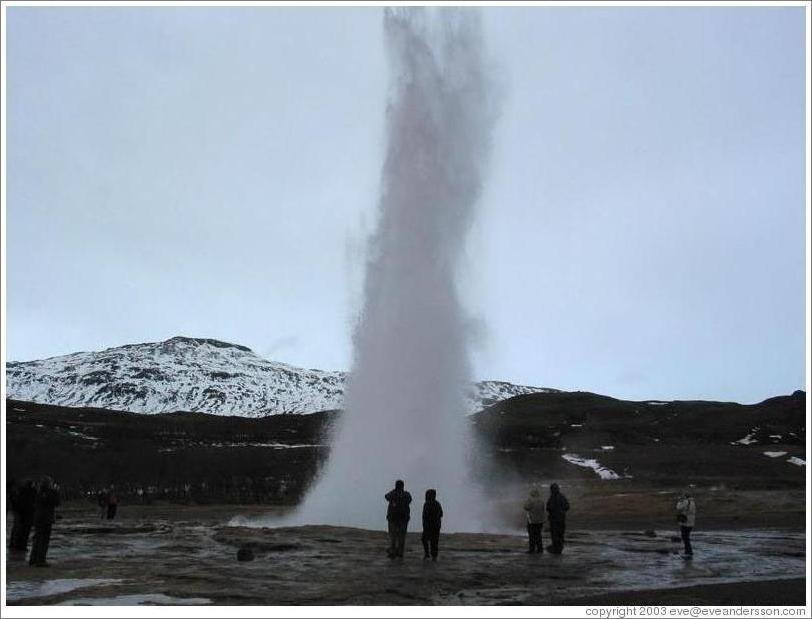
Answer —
(191, 374)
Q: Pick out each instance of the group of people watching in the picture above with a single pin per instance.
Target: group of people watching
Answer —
(107, 501)
(555, 509)
(398, 514)
(538, 511)
(33, 506)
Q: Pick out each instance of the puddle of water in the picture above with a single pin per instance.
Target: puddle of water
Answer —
(21, 590)
(594, 562)
(138, 599)
(720, 557)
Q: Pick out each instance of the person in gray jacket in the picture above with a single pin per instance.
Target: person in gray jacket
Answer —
(534, 506)
(686, 517)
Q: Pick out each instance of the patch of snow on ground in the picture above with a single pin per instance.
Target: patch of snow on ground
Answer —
(271, 445)
(775, 454)
(607, 447)
(796, 461)
(657, 403)
(747, 440)
(84, 436)
(600, 470)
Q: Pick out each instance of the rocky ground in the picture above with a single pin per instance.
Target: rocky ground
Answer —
(171, 554)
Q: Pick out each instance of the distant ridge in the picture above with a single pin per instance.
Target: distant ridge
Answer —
(196, 374)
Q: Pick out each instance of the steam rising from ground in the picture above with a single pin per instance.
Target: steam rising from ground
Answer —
(404, 403)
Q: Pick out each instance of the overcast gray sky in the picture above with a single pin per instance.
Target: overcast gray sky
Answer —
(213, 172)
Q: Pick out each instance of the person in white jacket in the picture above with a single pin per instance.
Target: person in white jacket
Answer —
(686, 516)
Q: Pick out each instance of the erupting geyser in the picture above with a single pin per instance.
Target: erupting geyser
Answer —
(404, 412)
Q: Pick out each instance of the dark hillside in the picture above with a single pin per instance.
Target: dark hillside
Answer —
(178, 456)
(661, 443)
(201, 458)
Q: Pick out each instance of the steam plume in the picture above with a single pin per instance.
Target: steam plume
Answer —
(404, 413)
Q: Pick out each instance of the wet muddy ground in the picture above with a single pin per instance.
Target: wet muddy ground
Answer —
(189, 556)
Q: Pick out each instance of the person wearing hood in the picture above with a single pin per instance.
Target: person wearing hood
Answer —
(44, 515)
(432, 518)
(686, 517)
(557, 508)
(534, 506)
(397, 516)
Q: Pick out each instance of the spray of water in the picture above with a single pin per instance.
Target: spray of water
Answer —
(404, 404)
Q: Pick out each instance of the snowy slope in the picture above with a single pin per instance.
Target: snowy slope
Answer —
(193, 374)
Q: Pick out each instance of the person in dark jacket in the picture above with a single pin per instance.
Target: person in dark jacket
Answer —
(45, 505)
(557, 507)
(432, 517)
(22, 507)
(397, 516)
(112, 503)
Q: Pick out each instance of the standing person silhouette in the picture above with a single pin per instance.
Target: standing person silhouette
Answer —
(557, 508)
(22, 506)
(534, 506)
(432, 518)
(686, 516)
(45, 505)
(112, 503)
(397, 516)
